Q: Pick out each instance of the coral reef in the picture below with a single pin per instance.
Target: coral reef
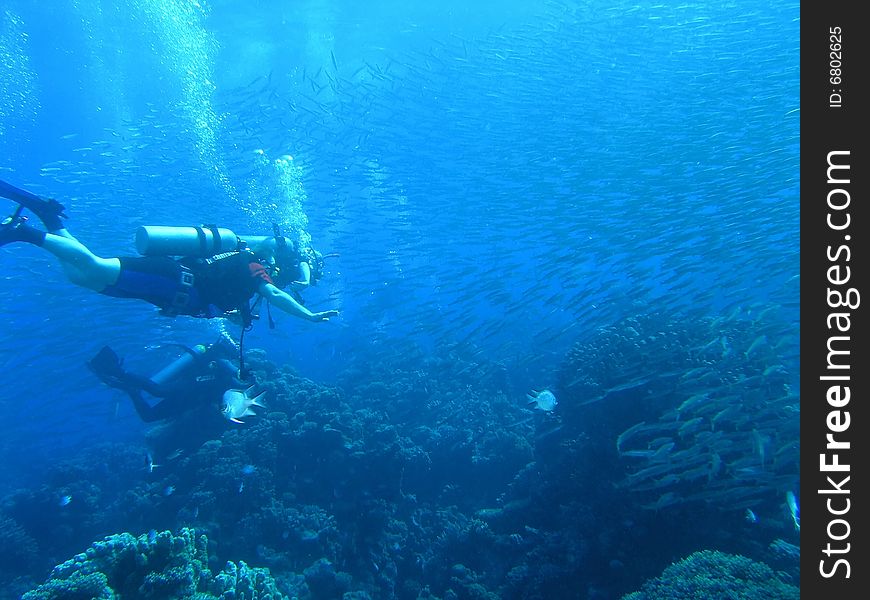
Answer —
(786, 558)
(712, 575)
(156, 565)
(418, 475)
(19, 549)
(20, 556)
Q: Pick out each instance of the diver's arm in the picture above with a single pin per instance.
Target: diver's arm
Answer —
(284, 301)
(228, 372)
(304, 279)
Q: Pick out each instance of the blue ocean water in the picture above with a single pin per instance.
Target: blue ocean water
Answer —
(513, 188)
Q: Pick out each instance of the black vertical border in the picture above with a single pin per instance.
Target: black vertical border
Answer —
(832, 124)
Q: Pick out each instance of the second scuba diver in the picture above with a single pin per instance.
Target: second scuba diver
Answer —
(193, 397)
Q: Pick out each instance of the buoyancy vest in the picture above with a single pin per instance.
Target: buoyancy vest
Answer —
(226, 282)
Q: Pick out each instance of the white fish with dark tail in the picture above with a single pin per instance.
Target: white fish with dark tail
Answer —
(238, 403)
(543, 400)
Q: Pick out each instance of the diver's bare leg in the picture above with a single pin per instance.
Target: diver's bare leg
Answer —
(82, 266)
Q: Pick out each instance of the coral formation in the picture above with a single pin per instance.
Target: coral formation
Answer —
(155, 565)
(419, 475)
(713, 575)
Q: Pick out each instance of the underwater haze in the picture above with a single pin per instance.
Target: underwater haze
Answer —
(563, 238)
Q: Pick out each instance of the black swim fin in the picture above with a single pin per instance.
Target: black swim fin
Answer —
(106, 365)
(14, 228)
(48, 210)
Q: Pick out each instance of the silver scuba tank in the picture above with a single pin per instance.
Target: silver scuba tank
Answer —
(179, 365)
(205, 241)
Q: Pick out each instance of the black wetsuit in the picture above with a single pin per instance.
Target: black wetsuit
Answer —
(198, 384)
(203, 387)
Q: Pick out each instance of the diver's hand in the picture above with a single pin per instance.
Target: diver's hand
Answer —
(323, 316)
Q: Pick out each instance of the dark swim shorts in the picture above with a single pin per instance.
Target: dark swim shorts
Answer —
(159, 280)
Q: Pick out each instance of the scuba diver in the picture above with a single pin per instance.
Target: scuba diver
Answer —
(199, 378)
(217, 274)
(197, 395)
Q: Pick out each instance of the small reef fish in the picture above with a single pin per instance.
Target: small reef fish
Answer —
(238, 403)
(149, 463)
(794, 509)
(543, 400)
(64, 500)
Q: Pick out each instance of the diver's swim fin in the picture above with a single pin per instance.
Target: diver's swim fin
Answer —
(7, 190)
(14, 228)
(48, 210)
(107, 366)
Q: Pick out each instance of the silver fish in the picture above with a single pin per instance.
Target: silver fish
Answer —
(543, 400)
(238, 403)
